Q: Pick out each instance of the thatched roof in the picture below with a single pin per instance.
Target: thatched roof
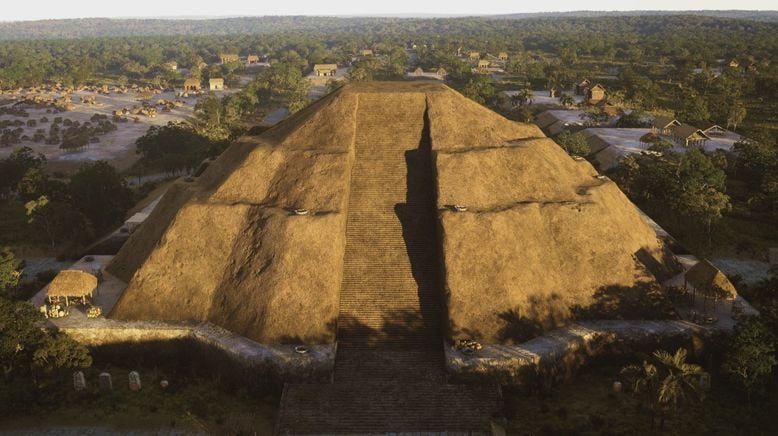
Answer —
(192, 81)
(662, 122)
(72, 283)
(225, 249)
(687, 131)
(325, 67)
(710, 280)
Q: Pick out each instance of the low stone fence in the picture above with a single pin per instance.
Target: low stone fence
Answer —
(282, 362)
(560, 352)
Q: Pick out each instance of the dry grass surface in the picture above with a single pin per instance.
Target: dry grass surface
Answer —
(542, 237)
(72, 283)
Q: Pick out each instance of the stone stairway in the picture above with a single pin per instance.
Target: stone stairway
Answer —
(389, 370)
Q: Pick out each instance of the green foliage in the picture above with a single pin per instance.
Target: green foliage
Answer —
(686, 186)
(479, 88)
(694, 109)
(10, 272)
(175, 147)
(283, 84)
(751, 355)
(573, 143)
(665, 382)
(14, 168)
(634, 119)
(101, 194)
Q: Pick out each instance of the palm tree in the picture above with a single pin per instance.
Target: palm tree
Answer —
(667, 383)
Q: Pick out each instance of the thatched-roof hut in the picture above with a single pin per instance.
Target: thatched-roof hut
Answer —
(709, 280)
(69, 284)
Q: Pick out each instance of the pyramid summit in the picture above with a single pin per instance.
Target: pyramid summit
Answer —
(375, 255)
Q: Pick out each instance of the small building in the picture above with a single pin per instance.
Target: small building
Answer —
(483, 64)
(662, 125)
(71, 286)
(734, 63)
(252, 59)
(441, 73)
(688, 135)
(228, 57)
(172, 65)
(709, 281)
(366, 52)
(582, 87)
(609, 109)
(474, 55)
(325, 70)
(216, 84)
(712, 130)
(192, 84)
(596, 94)
(418, 71)
(503, 56)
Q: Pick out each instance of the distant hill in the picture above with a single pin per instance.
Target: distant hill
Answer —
(125, 27)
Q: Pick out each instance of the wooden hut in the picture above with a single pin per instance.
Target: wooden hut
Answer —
(366, 52)
(662, 125)
(418, 72)
(252, 59)
(474, 55)
(709, 281)
(483, 65)
(325, 70)
(596, 94)
(228, 57)
(688, 135)
(192, 84)
(216, 84)
(72, 286)
(711, 129)
(503, 56)
(582, 87)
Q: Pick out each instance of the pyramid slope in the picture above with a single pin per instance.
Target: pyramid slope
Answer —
(227, 248)
(542, 239)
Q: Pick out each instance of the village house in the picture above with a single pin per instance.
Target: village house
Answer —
(688, 135)
(325, 70)
(216, 84)
(474, 55)
(418, 71)
(734, 63)
(172, 65)
(596, 94)
(252, 59)
(664, 126)
(711, 129)
(228, 57)
(192, 84)
(366, 52)
(503, 56)
(582, 88)
(483, 65)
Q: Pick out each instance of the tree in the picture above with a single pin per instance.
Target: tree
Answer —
(736, 114)
(566, 100)
(634, 119)
(665, 383)
(101, 194)
(479, 89)
(13, 169)
(694, 109)
(172, 148)
(26, 348)
(10, 272)
(573, 143)
(751, 355)
(57, 220)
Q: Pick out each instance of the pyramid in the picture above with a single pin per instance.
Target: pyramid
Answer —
(542, 237)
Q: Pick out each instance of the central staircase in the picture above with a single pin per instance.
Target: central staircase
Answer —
(389, 369)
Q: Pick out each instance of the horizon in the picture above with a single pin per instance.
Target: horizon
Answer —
(82, 9)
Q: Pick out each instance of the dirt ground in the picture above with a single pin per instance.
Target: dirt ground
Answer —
(117, 147)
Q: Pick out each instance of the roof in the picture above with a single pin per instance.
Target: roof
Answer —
(707, 125)
(216, 80)
(584, 82)
(596, 87)
(192, 81)
(72, 283)
(662, 122)
(483, 62)
(710, 280)
(325, 67)
(687, 131)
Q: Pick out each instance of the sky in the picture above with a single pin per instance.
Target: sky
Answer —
(48, 9)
